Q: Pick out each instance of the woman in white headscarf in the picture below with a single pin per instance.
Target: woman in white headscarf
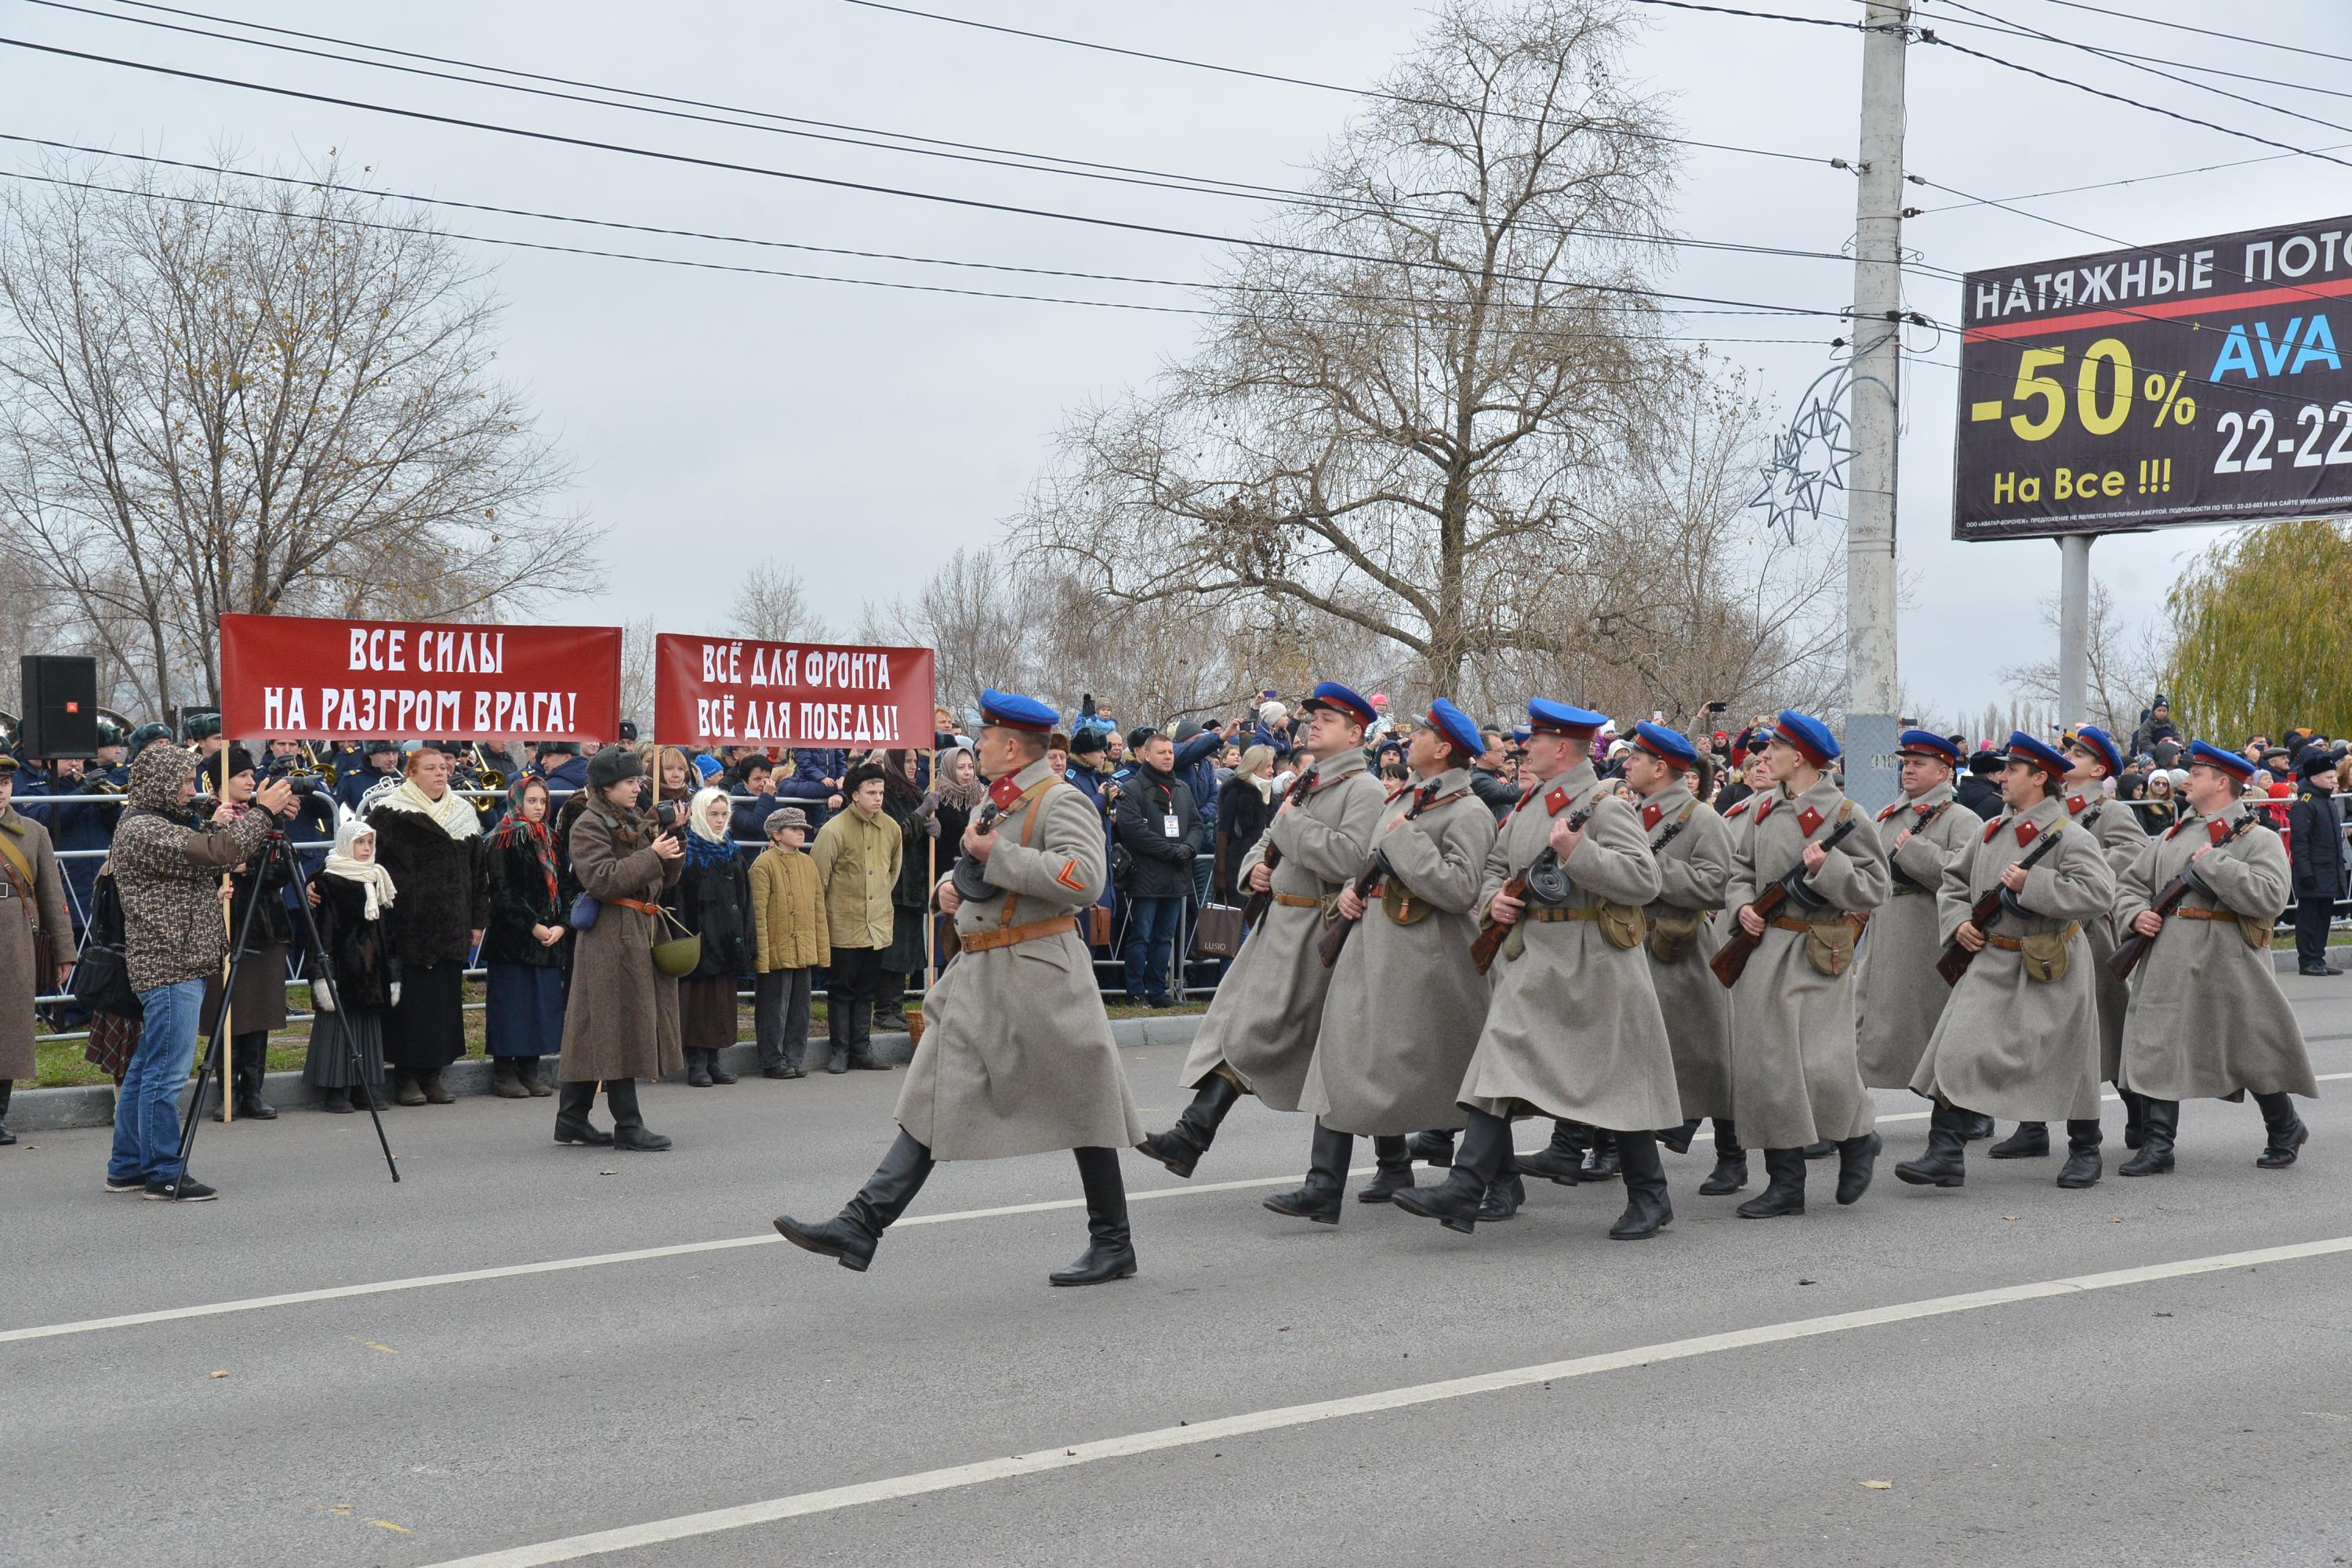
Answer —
(429, 838)
(352, 894)
(712, 898)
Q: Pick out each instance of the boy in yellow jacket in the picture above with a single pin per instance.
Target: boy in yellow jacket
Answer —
(788, 910)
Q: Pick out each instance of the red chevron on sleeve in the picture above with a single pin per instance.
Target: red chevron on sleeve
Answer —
(1069, 876)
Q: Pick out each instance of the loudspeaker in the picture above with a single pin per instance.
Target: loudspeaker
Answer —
(61, 706)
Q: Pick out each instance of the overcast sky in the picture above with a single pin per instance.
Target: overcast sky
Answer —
(861, 434)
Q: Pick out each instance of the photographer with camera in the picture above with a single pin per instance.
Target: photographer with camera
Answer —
(429, 838)
(258, 1005)
(168, 872)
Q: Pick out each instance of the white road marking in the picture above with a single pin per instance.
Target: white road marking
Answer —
(683, 1249)
(628, 1537)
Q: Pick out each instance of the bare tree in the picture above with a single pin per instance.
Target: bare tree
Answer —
(637, 672)
(978, 615)
(1404, 417)
(2122, 669)
(215, 397)
(773, 606)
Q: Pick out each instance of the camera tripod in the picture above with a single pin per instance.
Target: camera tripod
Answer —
(275, 850)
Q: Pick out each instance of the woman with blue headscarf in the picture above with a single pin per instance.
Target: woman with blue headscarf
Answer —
(712, 898)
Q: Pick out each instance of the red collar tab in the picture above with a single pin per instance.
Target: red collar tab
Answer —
(1555, 801)
(2217, 830)
(1650, 812)
(1737, 806)
(1004, 791)
(1890, 811)
(1807, 820)
(2026, 834)
(2075, 805)
(1402, 787)
(1766, 809)
(1991, 828)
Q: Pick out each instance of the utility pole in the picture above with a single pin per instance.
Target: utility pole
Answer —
(1871, 684)
(2073, 628)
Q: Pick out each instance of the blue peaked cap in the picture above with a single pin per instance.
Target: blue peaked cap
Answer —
(2238, 766)
(1008, 710)
(1661, 742)
(2100, 741)
(1927, 741)
(1808, 734)
(1566, 718)
(1455, 728)
(1339, 698)
(2025, 748)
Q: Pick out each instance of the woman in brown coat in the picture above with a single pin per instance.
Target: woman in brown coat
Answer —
(32, 915)
(621, 1023)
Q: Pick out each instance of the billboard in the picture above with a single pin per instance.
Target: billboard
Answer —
(2198, 381)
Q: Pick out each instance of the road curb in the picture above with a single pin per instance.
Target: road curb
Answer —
(92, 1105)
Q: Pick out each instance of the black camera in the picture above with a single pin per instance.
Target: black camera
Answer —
(297, 777)
(670, 815)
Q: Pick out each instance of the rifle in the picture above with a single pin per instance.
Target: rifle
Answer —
(1919, 826)
(970, 876)
(1376, 870)
(2135, 944)
(1731, 959)
(1254, 907)
(1956, 959)
(1492, 933)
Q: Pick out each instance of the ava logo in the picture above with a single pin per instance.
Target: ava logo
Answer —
(2258, 355)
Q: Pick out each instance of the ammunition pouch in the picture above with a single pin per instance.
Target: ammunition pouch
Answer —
(1398, 902)
(1674, 933)
(1624, 925)
(2045, 957)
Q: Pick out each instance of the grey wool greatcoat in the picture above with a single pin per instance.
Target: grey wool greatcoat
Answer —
(1795, 1078)
(1573, 1029)
(2009, 1046)
(1016, 1055)
(2119, 834)
(1692, 846)
(18, 983)
(1405, 1004)
(1899, 996)
(1263, 1022)
(2208, 1020)
(621, 1018)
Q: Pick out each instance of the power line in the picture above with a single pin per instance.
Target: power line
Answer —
(960, 151)
(1757, 15)
(1285, 80)
(418, 232)
(2207, 32)
(942, 198)
(2019, 30)
(2132, 179)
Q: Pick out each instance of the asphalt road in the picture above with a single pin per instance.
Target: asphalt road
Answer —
(2006, 1373)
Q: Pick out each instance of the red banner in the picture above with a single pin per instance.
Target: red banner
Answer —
(338, 679)
(727, 691)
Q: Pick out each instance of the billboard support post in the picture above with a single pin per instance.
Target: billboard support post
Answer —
(2073, 628)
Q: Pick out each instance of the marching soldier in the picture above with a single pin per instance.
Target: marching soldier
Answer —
(1795, 1077)
(2020, 1036)
(1262, 1024)
(1572, 1029)
(2206, 1018)
(2095, 759)
(1899, 994)
(1693, 850)
(1402, 1014)
(1017, 1058)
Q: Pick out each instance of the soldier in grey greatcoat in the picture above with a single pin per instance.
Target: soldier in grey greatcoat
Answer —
(1899, 996)
(1262, 1024)
(2020, 1036)
(2208, 1020)
(1795, 1077)
(1402, 1014)
(1016, 1057)
(2095, 759)
(1573, 1029)
(32, 909)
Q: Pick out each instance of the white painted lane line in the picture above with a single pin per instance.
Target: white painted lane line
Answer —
(574, 1548)
(683, 1249)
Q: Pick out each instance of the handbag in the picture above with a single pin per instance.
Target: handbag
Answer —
(1219, 933)
(101, 977)
(584, 910)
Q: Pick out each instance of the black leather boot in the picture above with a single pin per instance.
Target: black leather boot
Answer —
(1975, 1127)
(1945, 1165)
(2082, 1164)
(1395, 1172)
(526, 1073)
(1327, 1179)
(506, 1082)
(573, 1102)
(1679, 1139)
(1784, 1186)
(1730, 1172)
(836, 1028)
(245, 1087)
(1600, 1161)
(1647, 1208)
(891, 1003)
(861, 1038)
(1507, 1192)
(1431, 1148)
(2287, 1132)
(2135, 1106)
(1818, 1149)
(697, 1067)
(1180, 1147)
(1110, 1249)
(2160, 1122)
(629, 1127)
(2029, 1141)
(852, 1235)
(1454, 1203)
(718, 1074)
(1857, 1161)
(7, 1087)
(1560, 1160)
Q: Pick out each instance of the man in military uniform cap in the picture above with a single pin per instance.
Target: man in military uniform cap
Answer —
(1795, 1077)
(1016, 1057)
(1573, 1029)
(1899, 993)
(2095, 758)
(1262, 1024)
(1403, 1014)
(2020, 1036)
(2315, 855)
(1693, 850)
(2206, 1018)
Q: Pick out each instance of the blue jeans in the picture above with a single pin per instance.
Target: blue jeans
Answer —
(1150, 936)
(147, 1106)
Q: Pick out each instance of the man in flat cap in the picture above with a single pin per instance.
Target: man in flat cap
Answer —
(1263, 1022)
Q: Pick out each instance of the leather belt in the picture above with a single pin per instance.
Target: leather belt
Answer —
(1297, 902)
(1903, 888)
(2014, 943)
(1544, 914)
(1005, 936)
(650, 911)
(1790, 922)
(2227, 917)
